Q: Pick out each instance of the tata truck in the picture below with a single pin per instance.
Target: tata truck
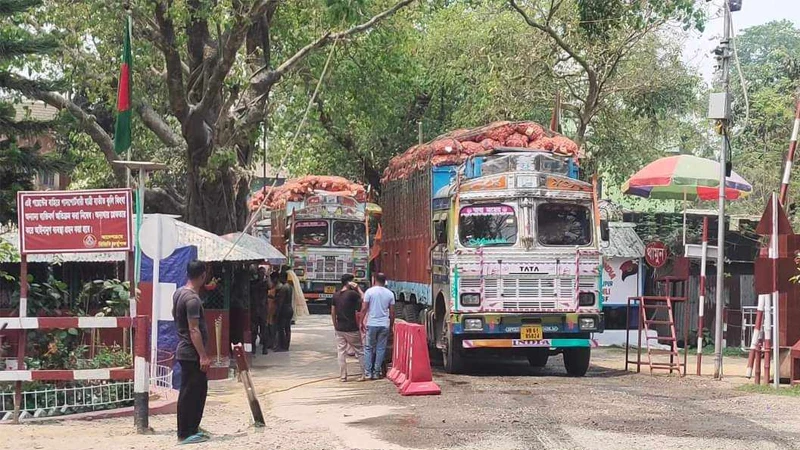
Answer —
(496, 252)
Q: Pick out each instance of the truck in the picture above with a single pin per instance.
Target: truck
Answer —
(491, 240)
(321, 224)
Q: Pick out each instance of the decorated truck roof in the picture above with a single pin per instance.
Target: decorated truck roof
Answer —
(455, 147)
(298, 189)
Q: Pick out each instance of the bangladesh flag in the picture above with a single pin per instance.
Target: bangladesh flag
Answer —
(122, 131)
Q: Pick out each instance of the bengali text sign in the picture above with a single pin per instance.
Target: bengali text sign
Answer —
(75, 221)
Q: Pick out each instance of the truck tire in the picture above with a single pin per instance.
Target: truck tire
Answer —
(410, 313)
(576, 361)
(538, 358)
(451, 355)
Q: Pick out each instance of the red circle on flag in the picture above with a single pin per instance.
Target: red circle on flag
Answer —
(655, 253)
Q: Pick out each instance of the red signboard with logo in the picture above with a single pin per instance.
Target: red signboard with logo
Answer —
(75, 221)
(656, 254)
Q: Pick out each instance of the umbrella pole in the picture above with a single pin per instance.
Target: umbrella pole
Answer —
(684, 218)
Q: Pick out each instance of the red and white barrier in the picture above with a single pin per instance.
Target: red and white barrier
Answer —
(40, 323)
(411, 365)
(66, 375)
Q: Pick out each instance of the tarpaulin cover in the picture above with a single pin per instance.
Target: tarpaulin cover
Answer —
(171, 270)
(298, 188)
(456, 146)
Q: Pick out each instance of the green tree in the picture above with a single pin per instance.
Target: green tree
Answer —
(769, 56)
(204, 75)
(20, 158)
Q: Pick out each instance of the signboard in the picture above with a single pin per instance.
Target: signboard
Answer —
(620, 280)
(75, 221)
(655, 253)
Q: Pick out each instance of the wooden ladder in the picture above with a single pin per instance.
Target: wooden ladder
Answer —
(656, 305)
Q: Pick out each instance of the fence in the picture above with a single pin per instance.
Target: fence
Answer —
(73, 398)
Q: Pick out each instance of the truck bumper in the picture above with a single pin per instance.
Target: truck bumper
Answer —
(503, 331)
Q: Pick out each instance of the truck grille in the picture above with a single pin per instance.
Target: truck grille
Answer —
(518, 292)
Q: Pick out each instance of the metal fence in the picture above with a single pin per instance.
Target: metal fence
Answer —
(48, 400)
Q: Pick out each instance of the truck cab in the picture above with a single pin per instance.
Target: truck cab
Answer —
(515, 262)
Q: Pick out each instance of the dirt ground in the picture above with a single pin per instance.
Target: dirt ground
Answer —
(500, 405)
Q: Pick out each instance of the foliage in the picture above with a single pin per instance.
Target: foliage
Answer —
(464, 64)
(8, 253)
(111, 296)
(769, 56)
(204, 77)
(20, 156)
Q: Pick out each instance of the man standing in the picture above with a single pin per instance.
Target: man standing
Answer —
(378, 314)
(344, 305)
(258, 309)
(284, 298)
(187, 311)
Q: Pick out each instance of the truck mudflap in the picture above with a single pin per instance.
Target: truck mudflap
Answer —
(518, 343)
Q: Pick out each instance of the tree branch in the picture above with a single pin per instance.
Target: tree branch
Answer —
(177, 92)
(158, 126)
(547, 29)
(264, 79)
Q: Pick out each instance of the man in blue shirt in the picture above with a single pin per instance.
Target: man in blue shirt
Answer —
(378, 318)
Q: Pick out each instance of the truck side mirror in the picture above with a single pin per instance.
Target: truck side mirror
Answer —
(441, 232)
(604, 230)
(287, 233)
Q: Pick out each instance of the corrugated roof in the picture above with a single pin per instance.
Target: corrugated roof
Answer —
(34, 110)
(210, 248)
(623, 242)
(269, 253)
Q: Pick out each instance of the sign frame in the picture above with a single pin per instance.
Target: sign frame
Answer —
(656, 246)
(126, 192)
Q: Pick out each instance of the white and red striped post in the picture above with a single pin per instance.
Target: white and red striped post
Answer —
(22, 334)
(755, 339)
(767, 336)
(787, 170)
(141, 377)
(702, 302)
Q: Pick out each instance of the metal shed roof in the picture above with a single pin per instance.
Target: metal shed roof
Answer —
(258, 245)
(623, 242)
(210, 248)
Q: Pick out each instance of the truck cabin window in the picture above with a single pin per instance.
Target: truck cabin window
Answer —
(311, 232)
(349, 234)
(563, 224)
(490, 225)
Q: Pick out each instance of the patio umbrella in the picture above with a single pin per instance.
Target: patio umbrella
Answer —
(684, 177)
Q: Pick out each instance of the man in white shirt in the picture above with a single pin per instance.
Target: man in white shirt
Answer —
(377, 312)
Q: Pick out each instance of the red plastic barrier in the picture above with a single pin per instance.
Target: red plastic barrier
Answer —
(411, 366)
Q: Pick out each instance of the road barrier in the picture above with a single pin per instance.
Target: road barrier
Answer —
(411, 365)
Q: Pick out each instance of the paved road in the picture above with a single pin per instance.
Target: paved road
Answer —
(499, 406)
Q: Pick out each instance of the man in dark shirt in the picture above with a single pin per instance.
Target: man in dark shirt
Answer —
(284, 298)
(187, 311)
(344, 305)
(258, 309)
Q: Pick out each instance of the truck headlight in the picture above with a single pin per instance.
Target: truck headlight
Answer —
(586, 299)
(470, 299)
(300, 272)
(360, 274)
(473, 324)
(587, 323)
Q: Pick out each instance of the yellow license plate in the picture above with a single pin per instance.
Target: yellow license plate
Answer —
(531, 333)
(330, 289)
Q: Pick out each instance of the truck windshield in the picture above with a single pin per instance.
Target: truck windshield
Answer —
(563, 224)
(487, 225)
(311, 232)
(349, 234)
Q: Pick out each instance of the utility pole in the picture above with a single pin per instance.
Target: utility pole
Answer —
(719, 109)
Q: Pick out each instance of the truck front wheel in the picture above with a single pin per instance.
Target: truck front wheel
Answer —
(576, 360)
(451, 354)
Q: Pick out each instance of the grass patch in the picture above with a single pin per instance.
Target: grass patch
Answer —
(769, 390)
(730, 352)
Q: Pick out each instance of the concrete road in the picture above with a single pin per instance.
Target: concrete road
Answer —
(501, 405)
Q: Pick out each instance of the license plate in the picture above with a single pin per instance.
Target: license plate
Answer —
(330, 289)
(531, 333)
